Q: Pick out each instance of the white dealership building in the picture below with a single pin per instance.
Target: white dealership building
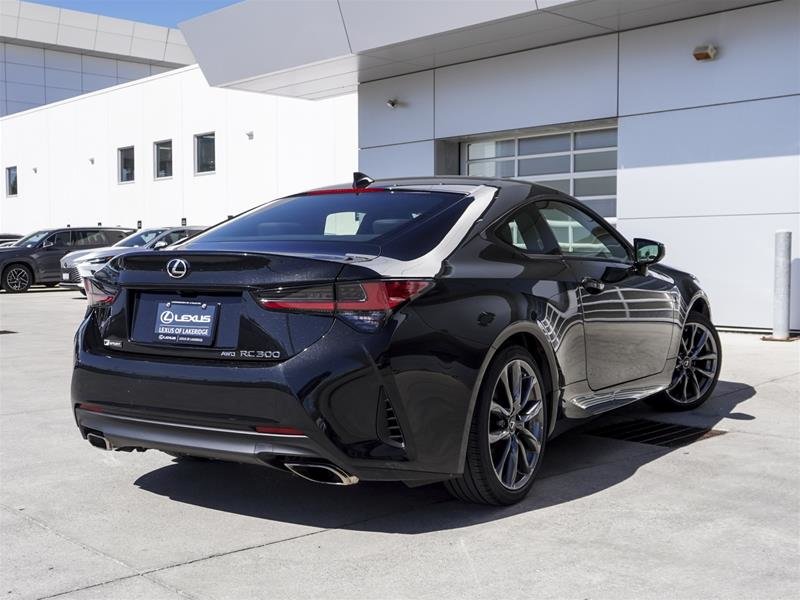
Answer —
(677, 119)
(602, 98)
(105, 123)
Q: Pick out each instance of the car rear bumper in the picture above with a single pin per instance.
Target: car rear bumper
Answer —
(130, 433)
(213, 410)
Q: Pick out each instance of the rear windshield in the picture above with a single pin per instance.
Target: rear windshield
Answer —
(367, 216)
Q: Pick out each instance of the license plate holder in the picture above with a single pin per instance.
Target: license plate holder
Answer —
(185, 323)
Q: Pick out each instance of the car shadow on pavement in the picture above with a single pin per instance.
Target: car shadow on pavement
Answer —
(577, 464)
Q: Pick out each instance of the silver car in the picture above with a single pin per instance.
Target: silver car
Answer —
(83, 263)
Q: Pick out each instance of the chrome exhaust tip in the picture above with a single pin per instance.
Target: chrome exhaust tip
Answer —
(98, 441)
(321, 473)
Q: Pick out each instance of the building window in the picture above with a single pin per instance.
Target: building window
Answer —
(163, 159)
(11, 181)
(581, 162)
(204, 153)
(125, 164)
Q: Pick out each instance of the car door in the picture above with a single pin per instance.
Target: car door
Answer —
(49, 254)
(548, 282)
(628, 312)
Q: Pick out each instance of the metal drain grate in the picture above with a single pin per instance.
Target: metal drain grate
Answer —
(644, 431)
(4, 331)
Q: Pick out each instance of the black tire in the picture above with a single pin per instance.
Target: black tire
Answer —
(696, 369)
(481, 481)
(17, 278)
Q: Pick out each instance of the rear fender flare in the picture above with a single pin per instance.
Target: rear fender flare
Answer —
(550, 369)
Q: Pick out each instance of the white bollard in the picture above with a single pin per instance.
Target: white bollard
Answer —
(780, 299)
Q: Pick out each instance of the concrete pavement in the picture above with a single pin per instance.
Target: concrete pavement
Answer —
(718, 518)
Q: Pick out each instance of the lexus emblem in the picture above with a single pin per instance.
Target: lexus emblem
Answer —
(177, 268)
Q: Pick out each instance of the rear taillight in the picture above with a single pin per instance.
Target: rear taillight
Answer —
(364, 305)
(96, 295)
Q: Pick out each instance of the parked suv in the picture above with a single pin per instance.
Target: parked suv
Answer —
(35, 258)
(83, 263)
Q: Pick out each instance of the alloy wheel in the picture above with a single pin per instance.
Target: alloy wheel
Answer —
(696, 368)
(18, 279)
(516, 424)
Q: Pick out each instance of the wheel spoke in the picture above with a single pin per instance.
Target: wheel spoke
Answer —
(507, 389)
(511, 466)
(692, 336)
(516, 384)
(529, 440)
(496, 408)
(500, 466)
(527, 390)
(524, 466)
(696, 384)
(700, 345)
(709, 374)
(496, 436)
(710, 356)
(532, 413)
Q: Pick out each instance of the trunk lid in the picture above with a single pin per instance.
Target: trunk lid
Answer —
(203, 305)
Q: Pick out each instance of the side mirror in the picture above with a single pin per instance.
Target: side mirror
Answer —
(160, 244)
(648, 252)
(48, 244)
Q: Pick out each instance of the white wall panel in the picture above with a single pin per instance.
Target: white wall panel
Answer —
(24, 55)
(24, 74)
(576, 81)
(99, 66)
(732, 257)
(741, 158)
(92, 82)
(759, 56)
(60, 78)
(410, 121)
(56, 59)
(20, 92)
(401, 160)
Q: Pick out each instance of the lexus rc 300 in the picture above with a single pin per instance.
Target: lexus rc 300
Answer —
(415, 330)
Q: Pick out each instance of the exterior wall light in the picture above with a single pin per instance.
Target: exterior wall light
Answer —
(392, 103)
(91, 160)
(706, 52)
(250, 135)
(35, 169)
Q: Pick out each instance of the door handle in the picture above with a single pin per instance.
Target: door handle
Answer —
(592, 285)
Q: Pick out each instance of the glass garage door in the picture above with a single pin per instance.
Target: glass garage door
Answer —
(580, 162)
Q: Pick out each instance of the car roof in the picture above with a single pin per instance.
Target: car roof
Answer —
(452, 183)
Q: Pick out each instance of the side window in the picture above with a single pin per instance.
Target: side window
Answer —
(174, 236)
(526, 229)
(343, 223)
(578, 234)
(60, 239)
(113, 236)
(88, 238)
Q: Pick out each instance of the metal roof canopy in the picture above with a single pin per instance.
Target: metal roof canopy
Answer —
(321, 48)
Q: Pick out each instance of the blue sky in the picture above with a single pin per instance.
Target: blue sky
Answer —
(159, 12)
